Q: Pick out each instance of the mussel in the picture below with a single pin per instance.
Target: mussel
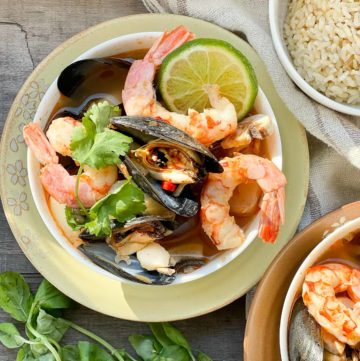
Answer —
(126, 239)
(305, 342)
(166, 153)
(76, 73)
(105, 257)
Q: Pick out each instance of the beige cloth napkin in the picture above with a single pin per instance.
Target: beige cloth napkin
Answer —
(334, 139)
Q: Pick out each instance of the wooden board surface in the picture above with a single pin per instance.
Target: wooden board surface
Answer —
(29, 30)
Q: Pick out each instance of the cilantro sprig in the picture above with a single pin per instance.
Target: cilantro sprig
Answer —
(124, 202)
(94, 145)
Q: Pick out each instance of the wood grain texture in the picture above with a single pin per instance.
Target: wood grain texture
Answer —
(30, 30)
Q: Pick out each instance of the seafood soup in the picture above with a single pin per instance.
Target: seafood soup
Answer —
(146, 192)
(325, 319)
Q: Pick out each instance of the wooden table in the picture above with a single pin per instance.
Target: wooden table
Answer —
(29, 30)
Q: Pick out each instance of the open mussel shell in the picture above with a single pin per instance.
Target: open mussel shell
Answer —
(160, 224)
(147, 129)
(182, 206)
(105, 257)
(305, 341)
(76, 73)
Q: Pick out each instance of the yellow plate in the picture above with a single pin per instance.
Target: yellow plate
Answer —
(112, 297)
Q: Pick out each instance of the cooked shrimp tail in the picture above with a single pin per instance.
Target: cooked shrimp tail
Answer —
(168, 42)
(39, 145)
(271, 215)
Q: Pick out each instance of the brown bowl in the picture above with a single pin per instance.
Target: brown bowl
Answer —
(262, 329)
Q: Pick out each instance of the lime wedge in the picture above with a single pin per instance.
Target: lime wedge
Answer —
(186, 72)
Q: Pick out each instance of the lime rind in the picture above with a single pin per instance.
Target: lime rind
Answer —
(176, 81)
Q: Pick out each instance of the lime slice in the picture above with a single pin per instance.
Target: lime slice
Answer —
(185, 73)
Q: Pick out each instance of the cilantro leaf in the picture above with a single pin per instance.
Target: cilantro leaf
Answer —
(107, 148)
(100, 114)
(75, 218)
(82, 140)
(124, 203)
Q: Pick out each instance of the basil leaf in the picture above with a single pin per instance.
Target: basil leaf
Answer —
(143, 345)
(22, 353)
(91, 352)
(38, 350)
(175, 353)
(203, 357)
(125, 202)
(48, 297)
(160, 335)
(15, 296)
(106, 149)
(70, 353)
(176, 337)
(100, 114)
(50, 326)
(10, 336)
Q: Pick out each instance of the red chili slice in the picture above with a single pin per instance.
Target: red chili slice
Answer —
(168, 186)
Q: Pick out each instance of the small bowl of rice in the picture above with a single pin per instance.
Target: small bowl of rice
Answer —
(318, 44)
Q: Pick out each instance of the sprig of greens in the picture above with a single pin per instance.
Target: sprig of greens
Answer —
(125, 202)
(94, 145)
(45, 328)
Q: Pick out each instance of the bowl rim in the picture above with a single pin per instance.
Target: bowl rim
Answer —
(296, 281)
(45, 213)
(284, 57)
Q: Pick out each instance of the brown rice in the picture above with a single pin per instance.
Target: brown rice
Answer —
(323, 38)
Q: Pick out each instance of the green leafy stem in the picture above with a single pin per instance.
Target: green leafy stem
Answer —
(45, 327)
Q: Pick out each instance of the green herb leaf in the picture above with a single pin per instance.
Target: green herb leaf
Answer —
(159, 333)
(48, 297)
(15, 296)
(143, 346)
(203, 357)
(100, 114)
(38, 350)
(10, 336)
(107, 148)
(124, 203)
(75, 218)
(82, 140)
(91, 352)
(175, 353)
(94, 145)
(176, 337)
(70, 353)
(51, 327)
(22, 353)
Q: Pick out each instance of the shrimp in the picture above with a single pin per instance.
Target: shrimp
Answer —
(257, 126)
(94, 184)
(60, 132)
(218, 189)
(320, 288)
(139, 95)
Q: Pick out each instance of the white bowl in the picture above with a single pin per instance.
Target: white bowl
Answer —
(115, 46)
(298, 279)
(277, 13)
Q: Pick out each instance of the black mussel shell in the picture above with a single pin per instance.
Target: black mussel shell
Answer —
(104, 256)
(75, 74)
(164, 224)
(305, 341)
(182, 206)
(146, 129)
